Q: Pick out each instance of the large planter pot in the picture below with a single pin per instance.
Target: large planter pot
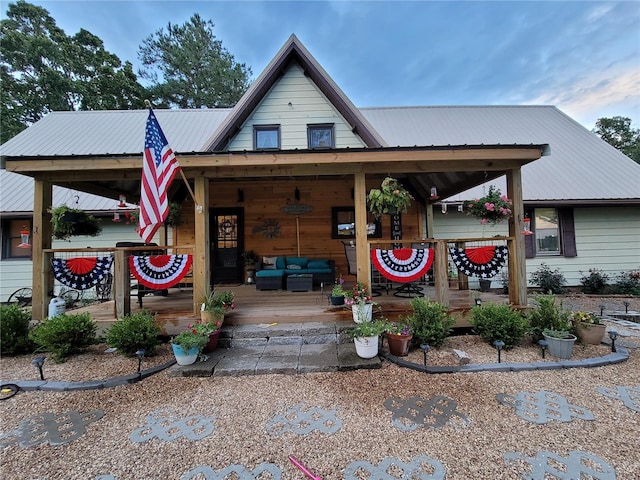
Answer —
(590, 333)
(362, 312)
(485, 285)
(561, 347)
(185, 358)
(399, 344)
(366, 347)
(211, 317)
(212, 344)
(336, 300)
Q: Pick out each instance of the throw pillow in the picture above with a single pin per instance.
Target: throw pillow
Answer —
(294, 267)
(269, 263)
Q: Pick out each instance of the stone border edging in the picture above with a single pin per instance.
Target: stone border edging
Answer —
(622, 355)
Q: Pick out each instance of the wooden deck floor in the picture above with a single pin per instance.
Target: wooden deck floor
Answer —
(253, 306)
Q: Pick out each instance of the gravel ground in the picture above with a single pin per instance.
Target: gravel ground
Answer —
(242, 407)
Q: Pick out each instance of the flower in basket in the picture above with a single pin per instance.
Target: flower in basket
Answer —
(190, 339)
(585, 317)
(222, 300)
(391, 197)
(398, 328)
(358, 296)
(492, 208)
(205, 328)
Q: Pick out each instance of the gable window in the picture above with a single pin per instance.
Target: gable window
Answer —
(11, 238)
(553, 232)
(266, 137)
(320, 136)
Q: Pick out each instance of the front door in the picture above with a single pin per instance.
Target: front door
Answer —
(227, 244)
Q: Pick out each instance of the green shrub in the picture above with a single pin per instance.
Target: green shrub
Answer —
(14, 330)
(548, 315)
(595, 283)
(499, 322)
(628, 283)
(64, 335)
(550, 281)
(133, 332)
(430, 322)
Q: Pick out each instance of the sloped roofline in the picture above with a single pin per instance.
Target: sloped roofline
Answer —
(292, 51)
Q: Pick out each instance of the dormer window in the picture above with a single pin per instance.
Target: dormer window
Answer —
(266, 137)
(320, 136)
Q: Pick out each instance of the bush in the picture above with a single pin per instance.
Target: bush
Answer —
(14, 330)
(64, 335)
(133, 332)
(595, 283)
(548, 315)
(550, 281)
(429, 321)
(628, 283)
(499, 322)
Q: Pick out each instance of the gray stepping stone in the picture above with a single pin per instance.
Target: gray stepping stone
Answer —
(421, 467)
(167, 427)
(265, 471)
(414, 412)
(543, 406)
(302, 421)
(56, 429)
(630, 396)
(572, 467)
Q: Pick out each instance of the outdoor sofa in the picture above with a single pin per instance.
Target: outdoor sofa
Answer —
(274, 271)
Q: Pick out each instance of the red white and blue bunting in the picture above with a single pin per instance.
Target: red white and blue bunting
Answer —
(481, 262)
(159, 272)
(81, 273)
(403, 264)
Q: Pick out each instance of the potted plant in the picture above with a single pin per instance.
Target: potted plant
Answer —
(174, 217)
(337, 295)
(399, 336)
(251, 260)
(547, 314)
(215, 305)
(560, 342)
(365, 337)
(187, 346)
(391, 198)
(453, 277)
(210, 329)
(360, 301)
(68, 222)
(492, 208)
(588, 327)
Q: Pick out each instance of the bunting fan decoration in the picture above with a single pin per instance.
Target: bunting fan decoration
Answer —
(159, 272)
(81, 273)
(481, 262)
(403, 264)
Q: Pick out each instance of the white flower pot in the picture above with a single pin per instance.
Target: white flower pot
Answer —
(366, 347)
(362, 312)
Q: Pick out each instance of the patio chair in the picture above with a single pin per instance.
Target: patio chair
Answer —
(378, 281)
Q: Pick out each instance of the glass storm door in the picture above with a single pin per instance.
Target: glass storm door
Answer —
(227, 242)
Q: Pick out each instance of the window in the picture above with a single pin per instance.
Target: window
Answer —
(320, 136)
(553, 232)
(343, 223)
(266, 137)
(11, 238)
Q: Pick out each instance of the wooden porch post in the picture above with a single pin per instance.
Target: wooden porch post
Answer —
(201, 251)
(41, 240)
(441, 277)
(428, 207)
(517, 262)
(362, 250)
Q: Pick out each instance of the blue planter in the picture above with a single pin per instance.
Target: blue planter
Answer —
(185, 358)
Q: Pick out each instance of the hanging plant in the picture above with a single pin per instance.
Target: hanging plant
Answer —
(492, 208)
(69, 222)
(391, 198)
(174, 217)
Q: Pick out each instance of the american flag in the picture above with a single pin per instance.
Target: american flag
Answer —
(159, 166)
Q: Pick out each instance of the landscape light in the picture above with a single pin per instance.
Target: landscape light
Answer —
(613, 335)
(543, 345)
(140, 355)
(425, 349)
(499, 344)
(39, 362)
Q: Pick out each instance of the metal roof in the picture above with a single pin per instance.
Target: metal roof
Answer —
(580, 166)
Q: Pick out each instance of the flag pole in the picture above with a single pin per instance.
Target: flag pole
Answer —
(147, 104)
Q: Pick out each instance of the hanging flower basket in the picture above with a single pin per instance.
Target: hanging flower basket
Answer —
(492, 208)
(390, 199)
(69, 222)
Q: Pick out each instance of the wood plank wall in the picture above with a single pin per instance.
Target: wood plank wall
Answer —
(263, 200)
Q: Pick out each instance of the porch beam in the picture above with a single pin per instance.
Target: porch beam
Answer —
(42, 277)
(517, 261)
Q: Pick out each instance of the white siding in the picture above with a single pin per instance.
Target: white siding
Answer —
(308, 105)
(607, 238)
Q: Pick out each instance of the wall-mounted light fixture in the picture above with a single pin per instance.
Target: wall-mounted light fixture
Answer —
(296, 194)
(434, 193)
(24, 238)
(240, 195)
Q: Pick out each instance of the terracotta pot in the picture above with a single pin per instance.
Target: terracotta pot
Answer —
(212, 344)
(590, 333)
(399, 344)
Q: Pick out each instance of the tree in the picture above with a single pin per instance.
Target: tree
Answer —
(42, 70)
(196, 70)
(617, 132)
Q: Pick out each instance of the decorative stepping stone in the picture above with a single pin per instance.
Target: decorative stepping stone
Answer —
(57, 429)
(301, 421)
(572, 467)
(421, 467)
(543, 406)
(167, 427)
(266, 471)
(414, 412)
(630, 396)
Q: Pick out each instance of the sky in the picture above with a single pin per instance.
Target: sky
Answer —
(581, 56)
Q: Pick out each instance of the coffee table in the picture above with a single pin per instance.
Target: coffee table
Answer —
(300, 283)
